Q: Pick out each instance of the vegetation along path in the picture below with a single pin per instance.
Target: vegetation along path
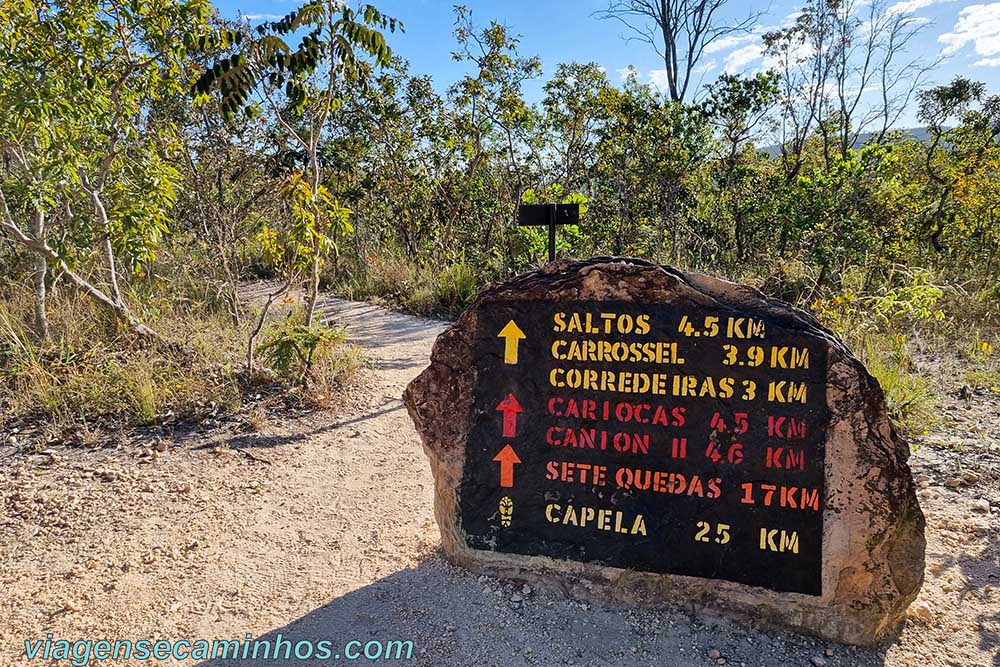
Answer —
(321, 527)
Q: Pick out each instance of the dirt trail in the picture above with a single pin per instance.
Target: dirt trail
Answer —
(322, 528)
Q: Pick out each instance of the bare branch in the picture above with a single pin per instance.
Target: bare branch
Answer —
(679, 31)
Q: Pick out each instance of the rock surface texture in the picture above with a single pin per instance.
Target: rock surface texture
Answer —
(873, 528)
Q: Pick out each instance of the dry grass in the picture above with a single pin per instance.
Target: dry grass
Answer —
(910, 396)
(93, 371)
(444, 288)
(921, 315)
(91, 368)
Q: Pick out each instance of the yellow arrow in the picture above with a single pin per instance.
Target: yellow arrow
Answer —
(512, 336)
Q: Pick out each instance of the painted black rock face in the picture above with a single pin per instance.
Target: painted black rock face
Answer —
(661, 438)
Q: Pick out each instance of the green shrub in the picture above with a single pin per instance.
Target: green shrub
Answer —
(878, 325)
(301, 354)
(455, 286)
(909, 395)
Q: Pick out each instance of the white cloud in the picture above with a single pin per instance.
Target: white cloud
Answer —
(625, 73)
(977, 24)
(726, 43)
(602, 69)
(658, 79)
(909, 6)
(987, 62)
(262, 17)
(706, 67)
(790, 19)
(740, 58)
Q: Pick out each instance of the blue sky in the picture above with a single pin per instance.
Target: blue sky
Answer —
(966, 34)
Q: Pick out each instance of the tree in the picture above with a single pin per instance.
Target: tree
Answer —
(572, 113)
(228, 170)
(957, 152)
(851, 211)
(299, 86)
(844, 72)
(737, 106)
(494, 121)
(648, 148)
(395, 147)
(679, 31)
(89, 180)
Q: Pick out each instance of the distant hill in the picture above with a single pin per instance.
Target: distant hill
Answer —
(918, 133)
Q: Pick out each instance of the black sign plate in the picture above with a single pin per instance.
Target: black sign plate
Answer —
(660, 438)
(543, 215)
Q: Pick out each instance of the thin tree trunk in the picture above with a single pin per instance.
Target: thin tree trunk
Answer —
(313, 286)
(109, 259)
(42, 249)
(94, 191)
(37, 229)
(313, 295)
(271, 298)
(820, 281)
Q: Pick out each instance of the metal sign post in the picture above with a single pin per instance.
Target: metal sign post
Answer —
(548, 215)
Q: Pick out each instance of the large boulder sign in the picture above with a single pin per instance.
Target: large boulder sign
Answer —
(632, 434)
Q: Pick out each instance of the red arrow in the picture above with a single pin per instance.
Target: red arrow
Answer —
(510, 409)
(507, 458)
